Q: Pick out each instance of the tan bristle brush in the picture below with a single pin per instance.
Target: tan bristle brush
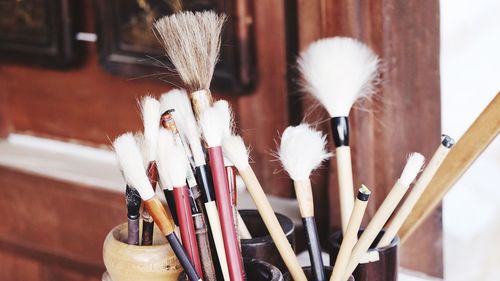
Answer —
(192, 43)
(130, 161)
(150, 112)
(236, 151)
(301, 151)
(351, 235)
(338, 72)
(410, 172)
(423, 181)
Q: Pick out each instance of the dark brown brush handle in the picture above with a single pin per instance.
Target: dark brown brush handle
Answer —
(314, 248)
(182, 257)
(147, 232)
(133, 232)
(204, 246)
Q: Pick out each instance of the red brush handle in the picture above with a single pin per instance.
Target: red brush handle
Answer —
(188, 235)
(221, 185)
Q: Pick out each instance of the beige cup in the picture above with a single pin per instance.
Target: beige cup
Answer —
(138, 263)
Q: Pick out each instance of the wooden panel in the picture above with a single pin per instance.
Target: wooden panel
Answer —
(405, 114)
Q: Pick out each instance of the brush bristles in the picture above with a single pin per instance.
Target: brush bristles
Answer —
(161, 161)
(186, 123)
(173, 159)
(412, 168)
(338, 71)
(192, 43)
(141, 144)
(227, 117)
(130, 161)
(211, 123)
(302, 150)
(150, 110)
(234, 148)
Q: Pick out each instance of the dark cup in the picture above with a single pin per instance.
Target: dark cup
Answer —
(308, 272)
(262, 246)
(255, 270)
(383, 268)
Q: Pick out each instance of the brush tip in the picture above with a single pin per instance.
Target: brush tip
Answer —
(412, 168)
(235, 150)
(212, 125)
(150, 110)
(172, 158)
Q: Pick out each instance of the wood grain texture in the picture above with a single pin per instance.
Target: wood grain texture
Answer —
(405, 114)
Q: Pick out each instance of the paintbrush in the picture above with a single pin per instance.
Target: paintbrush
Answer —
(174, 165)
(211, 123)
(338, 72)
(186, 124)
(192, 43)
(418, 189)
(301, 151)
(236, 151)
(351, 235)
(472, 143)
(150, 112)
(129, 159)
(410, 171)
(133, 200)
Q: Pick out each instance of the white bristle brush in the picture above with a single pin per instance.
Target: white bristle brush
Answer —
(130, 161)
(338, 72)
(301, 151)
(150, 112)
(412, 168)
(236, 151)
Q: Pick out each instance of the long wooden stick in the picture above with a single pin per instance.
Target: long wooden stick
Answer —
(346, 186)
(479, 135)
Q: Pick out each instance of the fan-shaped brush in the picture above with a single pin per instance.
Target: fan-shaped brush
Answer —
(410, 171)
(129, 159)
(150, 111)
(302, 150)
(192, 43)
(411, 200)
(175, 165)
(236, 151)
(339, 71)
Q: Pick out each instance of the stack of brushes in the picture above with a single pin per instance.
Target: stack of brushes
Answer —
(190, 147)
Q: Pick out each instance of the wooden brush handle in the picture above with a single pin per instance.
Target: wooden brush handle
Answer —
(267, 214)
(162, 217)
(242, 228)
(147, 228)
(214, 221)
(484, 129)
(303, 192)
(346, 186)
(133, 231)
(182, 257)
(204, 247)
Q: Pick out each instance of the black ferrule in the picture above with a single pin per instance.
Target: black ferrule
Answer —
(169, 197)
(147, 233)
(447, 141)
(314, 247)
(363, 196)
(182, 257)
(340, 130)
(133, 200)
(204, 179)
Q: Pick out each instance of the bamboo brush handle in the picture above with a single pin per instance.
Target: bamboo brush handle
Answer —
(242, 228)
(349, 240)
(267, 214)
(214, 221)
(346, 186)
(479, 135)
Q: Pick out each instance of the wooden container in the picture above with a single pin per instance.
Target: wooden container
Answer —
(308, 272)
(138, 263)
(381, 263)
(261, 246)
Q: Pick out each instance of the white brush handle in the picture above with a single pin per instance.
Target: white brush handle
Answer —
(372, 230)
(417, 191)
(242, 228)
(349, 240)
(272, 224)
(346, 186)
(213, 218)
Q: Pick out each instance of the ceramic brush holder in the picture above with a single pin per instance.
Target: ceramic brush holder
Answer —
(138, 263)
(262, 246)
(381, 265)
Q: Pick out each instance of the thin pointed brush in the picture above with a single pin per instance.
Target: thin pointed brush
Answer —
(338, 72)
(301, 151)
(133, 200)
(351, 235)
(185, 121)
(130, 160)
(211, 124)
(174, 164)
(236, 151)
(411, 200)
(192, 43)
(150, 111)
(410, 172)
